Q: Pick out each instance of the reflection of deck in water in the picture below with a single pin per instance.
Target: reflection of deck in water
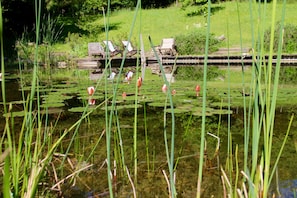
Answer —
(96, 75)
(212, 60)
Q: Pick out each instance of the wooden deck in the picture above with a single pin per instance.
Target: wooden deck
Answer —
(235, 60)
(212, 60)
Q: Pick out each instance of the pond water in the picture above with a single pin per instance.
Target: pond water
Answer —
(67, 100)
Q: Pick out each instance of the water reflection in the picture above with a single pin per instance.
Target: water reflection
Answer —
(12, 92)
(151, 155)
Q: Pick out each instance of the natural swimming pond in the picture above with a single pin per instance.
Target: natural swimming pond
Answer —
(83, 173)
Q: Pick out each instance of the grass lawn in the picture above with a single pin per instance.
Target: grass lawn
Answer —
(232, 19)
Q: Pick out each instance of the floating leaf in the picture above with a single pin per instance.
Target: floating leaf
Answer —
(81, 109)
(120, 107)
(15, 114)
(159, 104)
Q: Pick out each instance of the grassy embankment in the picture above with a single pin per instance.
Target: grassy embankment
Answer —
(173, 21)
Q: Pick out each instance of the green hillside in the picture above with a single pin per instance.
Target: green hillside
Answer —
(230, 19)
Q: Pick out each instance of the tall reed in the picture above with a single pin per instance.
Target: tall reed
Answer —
(259, 117)
(110, 114)
(30, 147)
(169, 155)
(202, 138)
(2, 61)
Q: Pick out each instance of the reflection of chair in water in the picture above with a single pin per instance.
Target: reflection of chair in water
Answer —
(111, 48)
(112, 75)
(96, 49)
(129, 76)
(168, 47)
(130, 50)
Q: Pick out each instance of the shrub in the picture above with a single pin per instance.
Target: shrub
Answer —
(289, 38)
(77, 44)
(194, 43)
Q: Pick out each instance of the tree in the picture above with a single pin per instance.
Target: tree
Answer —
(156, 3)
(17, 15)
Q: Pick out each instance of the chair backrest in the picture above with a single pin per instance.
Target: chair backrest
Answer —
(95, 48)
(110, 46)
(128, 45)
(167, 43)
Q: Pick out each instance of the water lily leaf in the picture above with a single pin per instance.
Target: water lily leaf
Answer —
(81, 109)
(219, 104)
(15, 114)
(14, 102)
(126, 106)
(159, 104)
(177, 110)
(199, 113)
(87, 97)
(221, 111)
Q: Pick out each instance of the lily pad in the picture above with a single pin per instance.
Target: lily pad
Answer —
(221, 111)
(14, 102)
(15, 114)
(23, 113)
(120, 107)
(158, 104)
(177, 110)
(219, 104)
(81, 109)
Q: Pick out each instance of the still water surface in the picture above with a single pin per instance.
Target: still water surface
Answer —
(151, 155)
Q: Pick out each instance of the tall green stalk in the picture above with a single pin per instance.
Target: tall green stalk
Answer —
(108, 122)
(245, 115)
(271, 98)
(109, 117)
(146, 138)
(265, 88)
(2, 61)
(229, 162)
(202, 138)
(275, 87)
(170, 158)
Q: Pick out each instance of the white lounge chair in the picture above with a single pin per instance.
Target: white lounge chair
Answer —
(111, 48)
(96, 49)
(130, 50)
(168, 47)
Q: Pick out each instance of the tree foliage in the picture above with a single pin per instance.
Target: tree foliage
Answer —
(17, 15)
(21, 13)
(156, 3)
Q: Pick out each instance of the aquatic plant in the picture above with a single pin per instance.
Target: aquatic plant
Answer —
(259, 113)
